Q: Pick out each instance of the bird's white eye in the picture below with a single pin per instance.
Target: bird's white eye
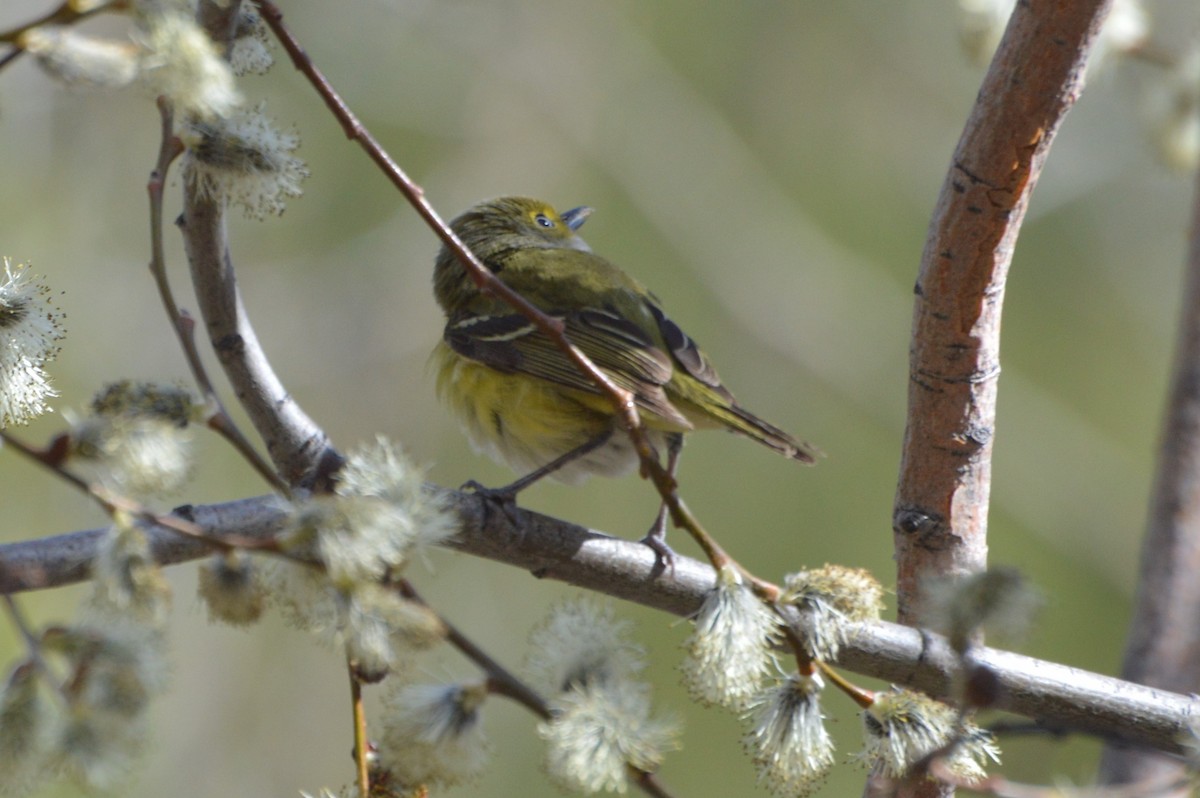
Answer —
(544, 221)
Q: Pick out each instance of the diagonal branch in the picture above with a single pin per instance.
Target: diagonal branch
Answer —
(940, 512)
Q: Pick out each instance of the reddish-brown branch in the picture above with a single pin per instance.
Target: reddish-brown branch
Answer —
(940, 513)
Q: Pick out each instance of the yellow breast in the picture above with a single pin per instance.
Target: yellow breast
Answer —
(527, 422)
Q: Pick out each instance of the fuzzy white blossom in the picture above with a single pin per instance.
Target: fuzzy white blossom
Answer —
(127, 582)
(599, 729)
(903, 727)
(179, 60)
(378, 627)
(981, 25)
(82, 61)
(433, 734)
(791, 748)
(830, 599)
(245, 160)
(601, 721)
(581, 642)
(1125, 29)
(250, 53)
(999, 599)
(1173, 108)
(135, 455)
(30, 329)
(115, 667)
(27, 730)
(728, 654)
(136, 399)
(230, 587)
(380, 519)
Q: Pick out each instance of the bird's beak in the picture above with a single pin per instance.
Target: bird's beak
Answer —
(575, 217)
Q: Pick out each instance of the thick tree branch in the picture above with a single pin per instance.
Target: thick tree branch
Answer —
(1164, 637)
(940, 513)
(1057, 696)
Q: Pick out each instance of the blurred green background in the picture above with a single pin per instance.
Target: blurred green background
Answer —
(769, 170)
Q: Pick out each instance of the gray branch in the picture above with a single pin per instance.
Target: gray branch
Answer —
(295, 443)
(1059, 697)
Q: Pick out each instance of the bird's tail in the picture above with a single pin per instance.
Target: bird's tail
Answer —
(746, 423)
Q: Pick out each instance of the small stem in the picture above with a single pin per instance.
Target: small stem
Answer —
(499, 679)
(181, 526)
(19, 621)
(33, 644)
(113, 503)
(361, 744)
(649, 783)
(66, 14)
(859, 695)
(46, 459)
(805, 664)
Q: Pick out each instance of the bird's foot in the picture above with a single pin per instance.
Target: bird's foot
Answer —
(504, 499)
(656, 539)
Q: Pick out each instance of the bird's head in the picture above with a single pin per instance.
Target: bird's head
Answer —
(494, 229)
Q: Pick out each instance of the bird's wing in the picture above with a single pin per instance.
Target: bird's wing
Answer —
(707, 392)
(510, 343)
(687, 355)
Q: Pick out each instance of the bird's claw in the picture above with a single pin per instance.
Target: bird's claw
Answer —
(664, 555)
(503, 498)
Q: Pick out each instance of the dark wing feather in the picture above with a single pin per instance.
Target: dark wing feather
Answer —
(511, 344)
(688, 354)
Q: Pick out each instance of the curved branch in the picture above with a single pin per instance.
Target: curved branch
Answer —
(297, 446)
(1058, 696)
(940, 512)
(295, 443)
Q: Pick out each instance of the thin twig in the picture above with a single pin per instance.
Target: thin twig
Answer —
(66, 14)
(111, 503)
(18, 618)
(33, 645)
(502, 681)
(861, 696)
(361, 743)
(219, 420)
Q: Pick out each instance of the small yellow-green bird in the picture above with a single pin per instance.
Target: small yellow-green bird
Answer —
(523, 401)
